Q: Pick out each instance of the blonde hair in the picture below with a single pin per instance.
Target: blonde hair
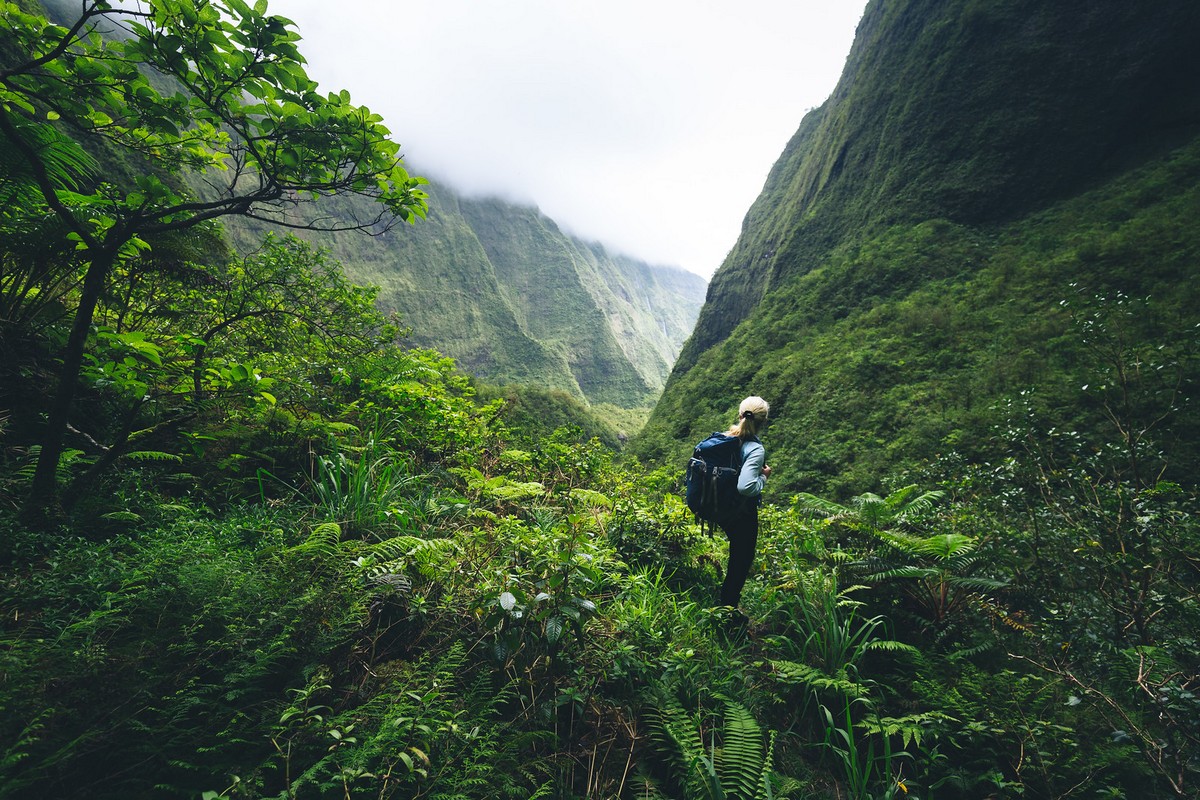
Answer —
(752, 415)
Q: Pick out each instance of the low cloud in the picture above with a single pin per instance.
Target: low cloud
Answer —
(649, 127)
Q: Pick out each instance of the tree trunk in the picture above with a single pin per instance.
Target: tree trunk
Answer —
(41, 506)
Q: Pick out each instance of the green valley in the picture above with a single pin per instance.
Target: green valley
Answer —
(351, 510)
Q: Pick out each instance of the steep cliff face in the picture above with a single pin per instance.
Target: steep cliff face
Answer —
(958, 134)
(501, 289)
(540, 276)
(974, 112)
(618, 322)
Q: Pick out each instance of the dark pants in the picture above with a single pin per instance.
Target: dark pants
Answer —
(742, 531)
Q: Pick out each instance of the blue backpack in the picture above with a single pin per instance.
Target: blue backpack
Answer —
(712, 477)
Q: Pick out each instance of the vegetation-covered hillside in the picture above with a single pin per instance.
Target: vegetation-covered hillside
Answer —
(938, 238)
(254, 544)
(618, 322)
(515, 300)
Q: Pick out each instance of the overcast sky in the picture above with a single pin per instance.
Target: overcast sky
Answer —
(648, 125)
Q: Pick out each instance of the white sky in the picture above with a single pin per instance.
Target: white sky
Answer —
(648, 125)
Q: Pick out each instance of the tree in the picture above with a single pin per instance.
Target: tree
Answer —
(211, 89)
(186, 345)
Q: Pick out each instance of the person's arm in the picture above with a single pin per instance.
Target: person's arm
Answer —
(753, 476)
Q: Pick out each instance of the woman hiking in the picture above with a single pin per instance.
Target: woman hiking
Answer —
(741, 524)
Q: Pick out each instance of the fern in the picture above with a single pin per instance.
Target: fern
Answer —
(325, 540)
(792, 674)
(910, 728)
(65, 163)
(62, 471)
(428, 556)
(743, 765)
(891, 646)
(153, 455)
(122, 516)
(591, 499)
(739, 768)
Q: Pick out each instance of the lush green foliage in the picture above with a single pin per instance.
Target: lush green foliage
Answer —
(300, 559)
(229, 106)
(498, 617)
(325, 564)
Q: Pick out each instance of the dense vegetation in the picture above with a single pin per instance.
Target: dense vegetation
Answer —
(292, 556)
(344, 574)
(910, 346)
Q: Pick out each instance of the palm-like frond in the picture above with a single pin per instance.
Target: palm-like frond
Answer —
(869, 510)
(812, 506)
(941, 547)
(909, 501)
(67, 166)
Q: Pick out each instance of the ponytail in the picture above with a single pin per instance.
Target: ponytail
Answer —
(752, 415)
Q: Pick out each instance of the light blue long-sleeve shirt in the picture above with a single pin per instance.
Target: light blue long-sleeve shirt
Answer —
(751, 480)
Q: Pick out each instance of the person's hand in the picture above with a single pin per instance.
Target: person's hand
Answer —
(766, 470)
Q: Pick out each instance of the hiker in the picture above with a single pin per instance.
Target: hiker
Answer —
(741, 525)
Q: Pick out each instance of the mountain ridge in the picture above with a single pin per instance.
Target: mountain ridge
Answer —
(953, 153)
(499, 287)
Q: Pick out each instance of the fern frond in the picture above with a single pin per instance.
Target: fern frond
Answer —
(591, 498)
(153, 455)
(65, 163)
(812, 506)
(910, 728)
(980, 584)
(906, 505)
(427, 555)
(325, 539)
(122, 516)
(891, 646)
(792, 674)
(395, 547)
(940, 547)
(902, 572)
(673, 734)
(741, 766)
(944, 546)
(965, 654)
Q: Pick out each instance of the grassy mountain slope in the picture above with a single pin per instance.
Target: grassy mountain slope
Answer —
(438, 277)
(501, 289)
(903, 271)
(642, 304)
(539, 277)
